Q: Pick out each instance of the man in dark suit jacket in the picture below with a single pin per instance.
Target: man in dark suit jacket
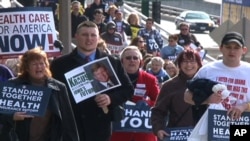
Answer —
(102, 77)
(92, 123)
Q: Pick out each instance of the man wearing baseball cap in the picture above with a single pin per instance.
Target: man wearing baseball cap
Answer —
(233, 37)
(231, 71)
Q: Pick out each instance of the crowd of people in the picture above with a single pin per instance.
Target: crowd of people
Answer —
(148, 69)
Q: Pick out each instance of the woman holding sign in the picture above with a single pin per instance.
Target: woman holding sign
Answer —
(170, 102)
(57, 122)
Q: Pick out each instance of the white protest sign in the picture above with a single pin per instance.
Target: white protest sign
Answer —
(22, 29)
(115, 49)
(84, 85)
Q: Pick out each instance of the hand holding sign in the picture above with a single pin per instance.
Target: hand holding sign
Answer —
(105, 110)
(21, 116)
(103, 100)
(161, 134)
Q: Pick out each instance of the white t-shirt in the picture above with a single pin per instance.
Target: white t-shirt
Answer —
(237, 79)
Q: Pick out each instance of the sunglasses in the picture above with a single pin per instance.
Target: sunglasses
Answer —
(132, 57)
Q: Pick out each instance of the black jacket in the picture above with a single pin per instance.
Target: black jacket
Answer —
(75, 21)
(62, 123)
(89, 11)
(93, 124)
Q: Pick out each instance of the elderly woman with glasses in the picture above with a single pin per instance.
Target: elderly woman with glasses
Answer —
(172, 50)
(145, 89)
(157, 70)
(170, 102)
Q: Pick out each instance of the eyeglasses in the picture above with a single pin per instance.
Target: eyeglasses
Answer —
(189, 61)
(184, 29)
(132, 57)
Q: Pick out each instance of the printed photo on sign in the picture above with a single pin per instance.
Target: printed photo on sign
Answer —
(137, 118)
(23, 98)
(91, 79)
(219, 124)
(22, 29)
(178, 133)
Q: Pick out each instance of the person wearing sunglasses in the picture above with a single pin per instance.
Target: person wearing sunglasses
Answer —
(145, 89)
(140, 43)
(172, 49)
(185, 37)
(113, 38)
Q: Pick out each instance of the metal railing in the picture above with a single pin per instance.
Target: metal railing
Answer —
(169, 10)
(128, 9)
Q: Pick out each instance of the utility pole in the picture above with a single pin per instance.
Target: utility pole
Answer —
(156, 11)
(65, 25)
(145, 7)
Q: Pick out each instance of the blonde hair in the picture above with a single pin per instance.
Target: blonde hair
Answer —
(112, 7)
(12, 65)
(157, 59)
(135, 16)
(103, 46)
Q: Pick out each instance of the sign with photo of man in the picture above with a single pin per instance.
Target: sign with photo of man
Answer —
(23, 98)
(91, 79)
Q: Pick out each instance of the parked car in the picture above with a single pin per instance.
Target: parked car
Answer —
(198, 20)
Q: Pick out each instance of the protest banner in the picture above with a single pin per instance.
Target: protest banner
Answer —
(137, 119)
(115, 49)
(219, 124)
(178, 133)
(22, 29)
(84, 83)
(23, 98)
